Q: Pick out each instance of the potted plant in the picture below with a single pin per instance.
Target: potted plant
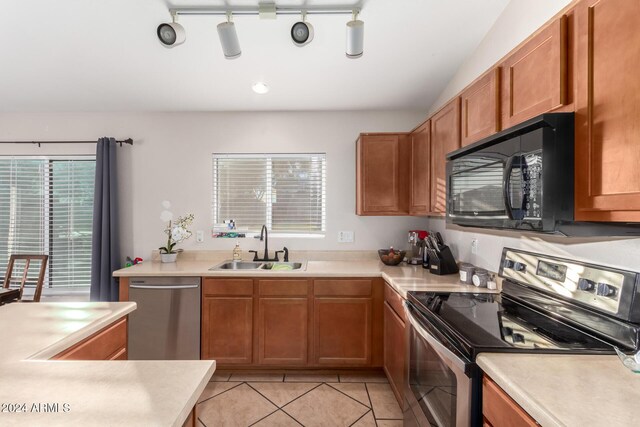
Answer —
(176, 231)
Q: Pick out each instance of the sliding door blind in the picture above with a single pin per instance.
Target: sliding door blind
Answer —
(46, 207)
(287, 192)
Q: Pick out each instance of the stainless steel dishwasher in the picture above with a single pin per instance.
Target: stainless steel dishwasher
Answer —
(166, 323)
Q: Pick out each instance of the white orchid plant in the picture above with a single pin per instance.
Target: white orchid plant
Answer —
(177, 231)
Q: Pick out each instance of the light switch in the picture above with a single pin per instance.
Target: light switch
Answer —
(199, 236)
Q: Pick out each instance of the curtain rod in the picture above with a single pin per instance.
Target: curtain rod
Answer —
(128, 141)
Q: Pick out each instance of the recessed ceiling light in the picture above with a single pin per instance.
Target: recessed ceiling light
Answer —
(260, 88)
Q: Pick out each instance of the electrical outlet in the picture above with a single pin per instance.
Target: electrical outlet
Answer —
(199, 236)
(345, 236)
(474, 246)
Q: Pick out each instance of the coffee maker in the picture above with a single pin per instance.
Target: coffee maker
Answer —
(416, 246)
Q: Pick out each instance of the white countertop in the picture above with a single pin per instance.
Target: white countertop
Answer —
(403, 278)
(568, 390)
(159, 393)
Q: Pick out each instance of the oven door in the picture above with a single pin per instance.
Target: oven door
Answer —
(442, 389)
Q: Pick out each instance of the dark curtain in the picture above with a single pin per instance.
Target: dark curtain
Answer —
(105, 253)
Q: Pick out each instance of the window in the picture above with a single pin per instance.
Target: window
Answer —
(284, 191)
(46, 207)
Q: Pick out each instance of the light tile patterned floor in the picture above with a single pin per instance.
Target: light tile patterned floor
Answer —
(233, 399)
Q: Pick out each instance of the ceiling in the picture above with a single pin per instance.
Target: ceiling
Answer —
(81, 55)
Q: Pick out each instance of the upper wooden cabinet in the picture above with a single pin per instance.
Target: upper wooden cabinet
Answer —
(607, 144)
(481, 108)
(445, 137)
(382, 174)
(419, 177)
(534, 77)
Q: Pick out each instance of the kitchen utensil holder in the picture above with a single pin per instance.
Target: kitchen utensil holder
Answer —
(443, 263)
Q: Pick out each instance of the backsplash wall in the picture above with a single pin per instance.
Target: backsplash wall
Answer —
(616, 252)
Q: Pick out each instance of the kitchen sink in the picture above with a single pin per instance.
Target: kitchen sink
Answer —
(238, 265)
(282, 266)
(259, 265)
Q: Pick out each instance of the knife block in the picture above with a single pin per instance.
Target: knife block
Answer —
(445, 263)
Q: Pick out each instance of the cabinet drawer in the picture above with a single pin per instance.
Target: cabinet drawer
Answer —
(108, 344)
(283, 287)
(501, 410)
(394, 300)
(342, 287)
(235, 287)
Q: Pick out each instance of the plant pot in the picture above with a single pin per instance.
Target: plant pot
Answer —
(168, 257)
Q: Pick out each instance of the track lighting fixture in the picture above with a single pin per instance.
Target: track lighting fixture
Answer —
(302, 32)
(355, 37)
(229, 39)
(171, 34)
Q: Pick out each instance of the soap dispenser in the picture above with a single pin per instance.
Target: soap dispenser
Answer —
(237, 253)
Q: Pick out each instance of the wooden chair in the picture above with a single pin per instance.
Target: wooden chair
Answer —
(8, 277)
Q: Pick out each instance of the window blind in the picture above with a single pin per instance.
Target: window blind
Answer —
(287, 192)
(46, 207)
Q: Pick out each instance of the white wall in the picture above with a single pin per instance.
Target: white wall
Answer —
(519, 19)
(171, 160)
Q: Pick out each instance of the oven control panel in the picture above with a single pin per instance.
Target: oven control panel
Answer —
(607, 289)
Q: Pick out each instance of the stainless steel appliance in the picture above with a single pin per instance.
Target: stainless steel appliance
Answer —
(548, 305)
(520, 178)
(166, 323)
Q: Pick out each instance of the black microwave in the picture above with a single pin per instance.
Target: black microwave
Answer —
(521, 178)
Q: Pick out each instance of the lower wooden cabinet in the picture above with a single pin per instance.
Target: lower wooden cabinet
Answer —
(283, 331)
(394, 351)
(394, 342)
(287, 322)
(227, 330)
(342, 331)
(500, 410)
(109, 343)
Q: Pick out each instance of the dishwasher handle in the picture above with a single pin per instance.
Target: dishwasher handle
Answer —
(164, 287)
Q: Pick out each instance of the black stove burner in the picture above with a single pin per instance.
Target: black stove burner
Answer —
(473, 323)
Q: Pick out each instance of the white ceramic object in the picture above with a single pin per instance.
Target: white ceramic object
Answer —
(168, 257)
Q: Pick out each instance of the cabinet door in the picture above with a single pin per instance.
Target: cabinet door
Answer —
(445, 137)
(481, 108)
(380, 175)
(342, 331)
(499, 409)
(607, 144)
(282, 331)
(227, 329)
(534, 78)
(394, 352)
(109, 343)
(419, 178)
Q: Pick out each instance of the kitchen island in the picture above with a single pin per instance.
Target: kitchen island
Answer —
(35, 390)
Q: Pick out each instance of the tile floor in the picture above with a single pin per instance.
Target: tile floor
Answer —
(359, 400)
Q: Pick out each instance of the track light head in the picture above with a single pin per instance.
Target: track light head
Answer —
(229, 40)
(355, 39)
(301, 33)
(171, 34)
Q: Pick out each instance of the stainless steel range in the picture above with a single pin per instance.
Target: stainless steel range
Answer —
(547, 305)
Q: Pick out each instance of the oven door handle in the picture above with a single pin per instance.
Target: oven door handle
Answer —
(442, 351)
